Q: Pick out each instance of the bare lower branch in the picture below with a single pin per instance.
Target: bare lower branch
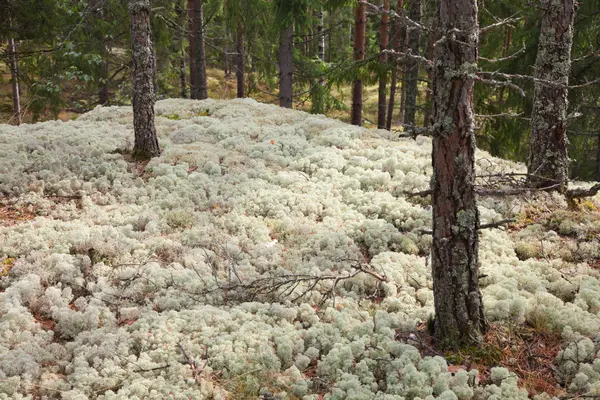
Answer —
(578, 193)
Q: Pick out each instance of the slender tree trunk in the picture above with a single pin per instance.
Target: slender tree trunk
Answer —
(360, 27)
(459, 316)
(182, 18)
(397, 43)
(432, 9)
(412, 66)
(598, 160)
(331, 21)
(548, 163)
(200, 89)
(240, 70)
(403, 80)
(182, 78)
(507, 42)
(14, 75)
(146, 142)
(321, 36)
(383, 58)
(192, 47)
(286, 67)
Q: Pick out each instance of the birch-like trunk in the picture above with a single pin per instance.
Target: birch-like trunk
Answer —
(459, 316)
(548, 163)
(146, 142)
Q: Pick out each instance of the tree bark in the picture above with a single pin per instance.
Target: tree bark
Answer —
(321, 36)
(432, 8)
(14, 76)
(412, 66)
(286, 67)
(240, 70)
(598, 160)
(383, 58)
(459, 316)
(360, 26)
(146, 142)
(191, 47)
(200, 88)
(548, 163)
(398, 29)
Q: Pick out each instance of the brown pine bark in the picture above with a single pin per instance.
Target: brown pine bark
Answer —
(360, 26)
(394, 83)
(146, 142)
(240, 69)
(383, 58)
(412, 65)
(548, 162)
(199, 89)
(286, 67)
(459, 316)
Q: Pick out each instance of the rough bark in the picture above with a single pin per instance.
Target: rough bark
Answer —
(394, 83)
(13, 61)
(191, 40)
(412, 65)
(146, 142)
(598, 160)
(548, 163)
(459, 316)
(286, 67)
(383, 45)
(199, 90)
(240, 69)
(360, 26)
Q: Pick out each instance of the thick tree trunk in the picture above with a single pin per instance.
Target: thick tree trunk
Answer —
(240, 69)
(412, 66)
(398, 29)
(383, 58)
(146, 142)
(200, 88)
(360, 30)
(286, 67)
(459, 316)
(548, 163)
(14, 76)
(191, 47)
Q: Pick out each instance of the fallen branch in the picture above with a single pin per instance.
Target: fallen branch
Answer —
(578, 193)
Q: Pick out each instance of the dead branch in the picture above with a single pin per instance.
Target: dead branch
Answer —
(578, 193)
(509, 57)
(506, 21)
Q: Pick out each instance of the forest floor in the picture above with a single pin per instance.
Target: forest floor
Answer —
(270, 252)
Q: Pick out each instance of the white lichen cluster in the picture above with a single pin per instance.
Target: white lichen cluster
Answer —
(106, 290)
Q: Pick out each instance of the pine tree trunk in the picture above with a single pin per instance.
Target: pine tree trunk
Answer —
(383, 58)
(182, 78)
(286, 67)
(146, 142)
(459, 316)
(412, 66)
(397, 43)
(240, 70)
(191, 47)
(507, 42)
(331, 21)
(321, 36)
(200, 88)
(548, 163)
(182, 18)
(432, 9)
(14, 76)
(360, 26)
(598, 160)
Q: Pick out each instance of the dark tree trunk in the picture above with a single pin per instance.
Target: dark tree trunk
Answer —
(14, 76)
(412, 66)
(182, 78)
(598, 160)
(240, 69)
(200, 89)
(548, 163)
(321, 36)
(286, 67)
(398, 29)
(182, 18)
(507, 42)
(360, 26)
(192, 47)
(146, 142)
(459, 316)
(432, 9)
(383, 58)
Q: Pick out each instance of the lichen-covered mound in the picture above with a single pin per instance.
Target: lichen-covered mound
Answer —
(212, 272)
